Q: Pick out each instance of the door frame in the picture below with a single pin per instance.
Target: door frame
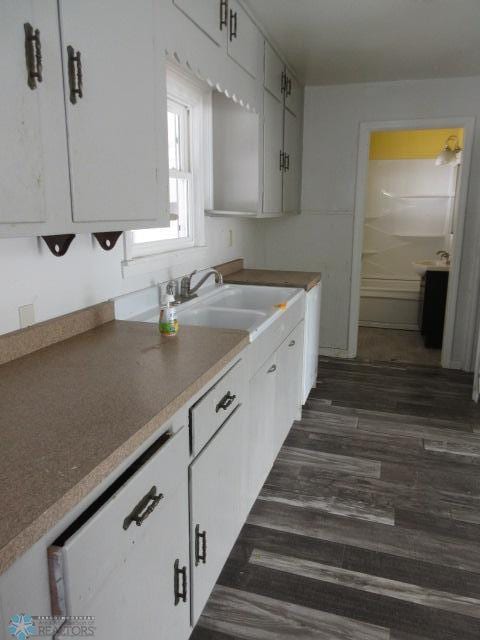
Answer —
(366, 129)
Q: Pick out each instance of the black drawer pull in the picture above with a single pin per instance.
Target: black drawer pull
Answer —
(200, 556)
(75, 74)
(291, 343)
(272, 368)
(143, 509)
(225, 402)
(223, 13)
(233, 25)
(33, 53)
(177, 572)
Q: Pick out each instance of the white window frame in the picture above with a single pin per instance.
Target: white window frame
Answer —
(185, 91)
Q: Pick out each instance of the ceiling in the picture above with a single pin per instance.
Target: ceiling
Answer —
(343, 41)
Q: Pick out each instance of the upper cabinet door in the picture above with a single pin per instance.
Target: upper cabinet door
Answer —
(210, 15)
(115, 88)
(274, 72)
(291, 176)
(272, 154)
(33, 163)
(293, 95)
(244, 40)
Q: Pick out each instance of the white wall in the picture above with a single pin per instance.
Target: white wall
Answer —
(87, 274)
(321, 237)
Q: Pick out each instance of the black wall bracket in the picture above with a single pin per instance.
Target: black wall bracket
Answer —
(59, 245)
(107, 239)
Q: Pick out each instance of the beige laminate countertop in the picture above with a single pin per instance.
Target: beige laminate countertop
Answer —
(72, 412)
(272, 278)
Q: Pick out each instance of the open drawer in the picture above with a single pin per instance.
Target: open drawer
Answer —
(125, 560)
(211, 411)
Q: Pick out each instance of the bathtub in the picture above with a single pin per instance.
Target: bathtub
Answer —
(389, 303)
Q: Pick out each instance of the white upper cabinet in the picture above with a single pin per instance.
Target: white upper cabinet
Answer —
(274, 72)
(210, 15)
(292, 160)
(33, 163)
(293, 94)
(244, 42)
(273, 154)
(114, 79)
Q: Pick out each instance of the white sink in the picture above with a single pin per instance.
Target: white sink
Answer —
(251, 297)
(232, 306)
(222, 318)
(423, 266)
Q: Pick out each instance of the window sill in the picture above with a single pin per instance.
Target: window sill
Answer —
(171, 264)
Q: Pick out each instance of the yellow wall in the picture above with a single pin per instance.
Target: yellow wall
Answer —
(418, 144)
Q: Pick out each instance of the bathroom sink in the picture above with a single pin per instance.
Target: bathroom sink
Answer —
(423, 266)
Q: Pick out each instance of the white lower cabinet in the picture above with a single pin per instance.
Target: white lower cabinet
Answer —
(261, 426)
(311, 346)
(127, 563)
(217, 511)
(289, 380)
(143, 558)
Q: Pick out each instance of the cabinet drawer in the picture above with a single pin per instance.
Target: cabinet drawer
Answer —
(211, 411)
(106, 536)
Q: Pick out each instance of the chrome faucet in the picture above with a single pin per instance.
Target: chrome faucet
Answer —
(186, 290)
(444, 256)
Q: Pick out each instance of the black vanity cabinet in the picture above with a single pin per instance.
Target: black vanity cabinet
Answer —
(433, 300)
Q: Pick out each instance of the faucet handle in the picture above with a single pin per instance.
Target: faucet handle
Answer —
(171, 287)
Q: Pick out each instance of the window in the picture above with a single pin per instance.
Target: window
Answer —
(185, 113)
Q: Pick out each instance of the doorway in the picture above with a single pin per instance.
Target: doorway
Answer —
(411, 194)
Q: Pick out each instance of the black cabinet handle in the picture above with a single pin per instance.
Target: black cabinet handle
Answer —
(286, 162)
(200, 556)
(177, 572)
(291, 343)
(272, 368)
(33, 55)
(223, 14)
(283, 85)
(225, 402)
(75, 74)
(233, 25)
(143, 509)
(289, 87)
(282, 160)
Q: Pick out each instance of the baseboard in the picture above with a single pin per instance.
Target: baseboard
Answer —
(384, 325)
(331, 352)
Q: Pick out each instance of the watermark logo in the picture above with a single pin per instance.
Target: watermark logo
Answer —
(22, 626)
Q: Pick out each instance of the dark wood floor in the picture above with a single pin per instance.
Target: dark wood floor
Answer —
(368, 526)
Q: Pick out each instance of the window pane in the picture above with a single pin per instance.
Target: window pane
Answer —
(179, 228)
(173, 140)
(179, 196)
